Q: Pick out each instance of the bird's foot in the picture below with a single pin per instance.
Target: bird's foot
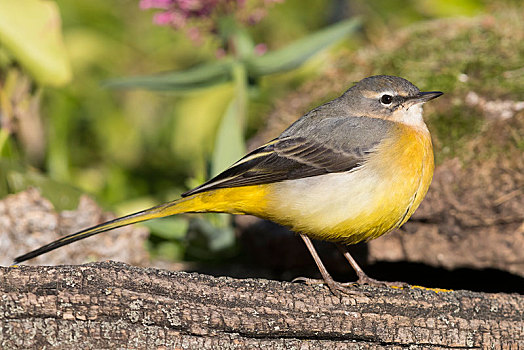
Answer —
(308, 281)
(365, 279)
(340, 289)
(337, 288)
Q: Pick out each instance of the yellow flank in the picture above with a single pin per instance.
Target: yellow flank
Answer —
(362, 204)
(238, 200)
(234, 200)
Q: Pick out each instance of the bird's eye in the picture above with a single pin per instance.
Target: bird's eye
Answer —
(386, 99)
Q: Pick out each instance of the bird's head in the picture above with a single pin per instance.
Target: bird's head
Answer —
(388, 97)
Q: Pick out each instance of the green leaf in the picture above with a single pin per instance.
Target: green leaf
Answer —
(229, 141)
(206, 241)
(295, 54)
(16, 177)
(196, 123)
(199, 77)
(31, 31)
(450, 8)
(232, 32)
(168, 228)
(171, 251)
(4, 137)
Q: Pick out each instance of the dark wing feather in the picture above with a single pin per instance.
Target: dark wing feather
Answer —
(286, 159)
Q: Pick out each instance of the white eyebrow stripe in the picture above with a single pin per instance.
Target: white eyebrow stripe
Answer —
(376, 95)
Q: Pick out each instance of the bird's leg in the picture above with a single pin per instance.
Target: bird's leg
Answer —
(335, 287)
(362, 277)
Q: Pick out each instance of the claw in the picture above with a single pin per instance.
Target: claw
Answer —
(337, 288)
(308, 281)
(364, 279)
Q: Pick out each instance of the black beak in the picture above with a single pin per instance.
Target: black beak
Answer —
(424, 97)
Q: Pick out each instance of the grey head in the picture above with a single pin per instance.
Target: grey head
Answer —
(383, 96)
(379, 96)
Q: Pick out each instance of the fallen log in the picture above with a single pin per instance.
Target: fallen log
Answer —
(113, 305)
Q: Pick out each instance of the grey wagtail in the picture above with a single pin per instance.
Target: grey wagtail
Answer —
(348, 171)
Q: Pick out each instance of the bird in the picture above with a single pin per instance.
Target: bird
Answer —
(349, 170)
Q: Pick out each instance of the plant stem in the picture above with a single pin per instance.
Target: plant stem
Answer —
(4, 136)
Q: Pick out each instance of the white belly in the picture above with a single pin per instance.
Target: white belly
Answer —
(327, 200)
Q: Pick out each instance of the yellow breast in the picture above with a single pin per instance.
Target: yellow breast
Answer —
(407, 177)
(363, 204)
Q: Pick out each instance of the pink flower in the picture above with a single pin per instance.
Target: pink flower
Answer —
(155, 4)
(190, 5)
(163, 18)
(202, 16)
(260, 49)
(257, 15)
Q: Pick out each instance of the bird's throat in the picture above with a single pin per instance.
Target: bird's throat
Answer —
(411, 116)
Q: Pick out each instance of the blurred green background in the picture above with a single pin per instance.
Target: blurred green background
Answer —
(69, 126)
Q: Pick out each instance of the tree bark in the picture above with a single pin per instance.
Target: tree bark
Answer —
(113, 305)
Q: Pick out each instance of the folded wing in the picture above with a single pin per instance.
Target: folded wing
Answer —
(295, 157)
